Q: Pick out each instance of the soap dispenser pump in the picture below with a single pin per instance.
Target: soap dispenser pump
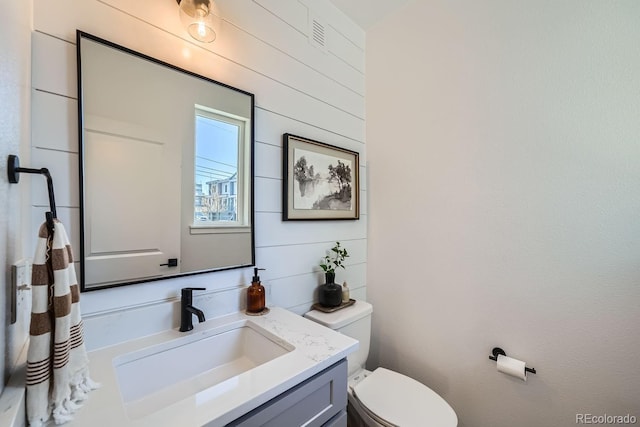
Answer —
(255, 294)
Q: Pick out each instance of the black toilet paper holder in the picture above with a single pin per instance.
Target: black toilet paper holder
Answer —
(497, 351)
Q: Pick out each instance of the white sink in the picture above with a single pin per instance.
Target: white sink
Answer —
(155, 377)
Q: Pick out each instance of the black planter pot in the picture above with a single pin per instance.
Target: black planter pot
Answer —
(330, 293)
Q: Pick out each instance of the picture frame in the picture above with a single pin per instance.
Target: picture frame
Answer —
(320, 181)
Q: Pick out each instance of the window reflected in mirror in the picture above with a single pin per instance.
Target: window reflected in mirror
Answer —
(220, 190)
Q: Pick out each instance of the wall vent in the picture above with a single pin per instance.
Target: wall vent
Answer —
(317, 33)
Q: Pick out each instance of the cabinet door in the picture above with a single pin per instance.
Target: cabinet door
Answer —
(339, 420)
(311, 403)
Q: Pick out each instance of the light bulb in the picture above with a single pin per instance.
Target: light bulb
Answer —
(202, 29)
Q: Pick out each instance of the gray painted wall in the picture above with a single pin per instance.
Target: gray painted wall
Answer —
(15, 63)
(503, 143)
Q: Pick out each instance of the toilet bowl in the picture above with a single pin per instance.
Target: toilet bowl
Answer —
(382, 397)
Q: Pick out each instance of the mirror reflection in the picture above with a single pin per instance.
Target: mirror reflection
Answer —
(166, 169)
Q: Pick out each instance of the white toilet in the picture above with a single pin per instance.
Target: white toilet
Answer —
(382, 397)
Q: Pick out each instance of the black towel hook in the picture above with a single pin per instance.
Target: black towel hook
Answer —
(13, 172)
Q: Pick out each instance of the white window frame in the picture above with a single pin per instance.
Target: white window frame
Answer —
(243, 193)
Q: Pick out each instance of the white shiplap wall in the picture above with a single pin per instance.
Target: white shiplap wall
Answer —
(262, 47)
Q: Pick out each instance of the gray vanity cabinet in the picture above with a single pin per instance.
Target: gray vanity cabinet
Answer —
(320, 401)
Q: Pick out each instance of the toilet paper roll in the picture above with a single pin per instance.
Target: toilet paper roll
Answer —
(510, 366)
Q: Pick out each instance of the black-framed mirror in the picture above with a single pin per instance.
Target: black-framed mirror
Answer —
(166, 169)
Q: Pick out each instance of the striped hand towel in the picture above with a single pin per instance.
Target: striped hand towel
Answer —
(57, 363)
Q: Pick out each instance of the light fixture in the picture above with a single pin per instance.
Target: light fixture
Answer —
(197, 17)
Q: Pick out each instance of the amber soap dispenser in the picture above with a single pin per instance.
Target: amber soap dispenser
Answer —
(255, 294)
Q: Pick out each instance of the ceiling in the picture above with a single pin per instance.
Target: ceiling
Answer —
(366, 13)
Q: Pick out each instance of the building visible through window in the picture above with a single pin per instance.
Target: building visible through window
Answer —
(219, 148)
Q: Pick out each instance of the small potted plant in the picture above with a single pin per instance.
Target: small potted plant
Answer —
(330, 293)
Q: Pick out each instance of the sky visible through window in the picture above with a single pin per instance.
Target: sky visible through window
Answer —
(216, 151)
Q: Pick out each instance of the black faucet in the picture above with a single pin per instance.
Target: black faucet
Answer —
(187, 310)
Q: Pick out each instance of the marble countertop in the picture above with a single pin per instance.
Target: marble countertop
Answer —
(314, 349)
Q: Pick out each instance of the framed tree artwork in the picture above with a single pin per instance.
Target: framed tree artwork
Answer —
(320, 181)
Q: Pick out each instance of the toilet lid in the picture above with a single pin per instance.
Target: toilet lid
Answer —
(403, 401)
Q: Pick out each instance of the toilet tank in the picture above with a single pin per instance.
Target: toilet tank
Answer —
(353, 321)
